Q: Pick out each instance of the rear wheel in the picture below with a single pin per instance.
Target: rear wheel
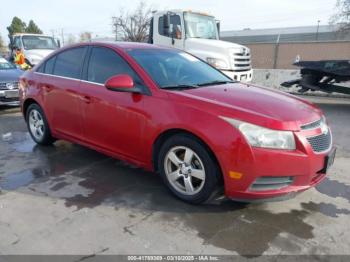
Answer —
(188, 169)
(38, 126)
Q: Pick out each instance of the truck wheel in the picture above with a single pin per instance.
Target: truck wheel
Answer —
(310, 81)
(38, 126)
(188, 169)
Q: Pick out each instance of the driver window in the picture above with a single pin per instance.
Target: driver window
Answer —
(105, 63)
(17, 42)
(175, 27)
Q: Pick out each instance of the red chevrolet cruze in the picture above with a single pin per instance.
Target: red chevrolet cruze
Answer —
(168, 111)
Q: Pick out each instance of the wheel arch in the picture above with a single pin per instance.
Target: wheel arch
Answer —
(166, 134)
(27, 103)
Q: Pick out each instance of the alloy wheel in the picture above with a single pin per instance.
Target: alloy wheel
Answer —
(36, 124)
(184, 170)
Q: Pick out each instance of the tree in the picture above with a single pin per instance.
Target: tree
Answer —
(2, 44)
(133, 26)
(85, 37)
(71, 39)
(17, 26)
(342, 16)
(33, 28)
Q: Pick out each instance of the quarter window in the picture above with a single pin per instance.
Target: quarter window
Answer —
(105, 63)
(69, 63)
(49, 65)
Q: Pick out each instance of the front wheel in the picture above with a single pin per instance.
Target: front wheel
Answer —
(38, 126)
(188, 169)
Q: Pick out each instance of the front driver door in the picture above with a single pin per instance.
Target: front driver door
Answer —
(111, 120)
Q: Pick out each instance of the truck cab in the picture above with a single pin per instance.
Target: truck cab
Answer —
(34, 46)
(198, 34)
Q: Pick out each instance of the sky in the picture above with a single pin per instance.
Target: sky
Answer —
(76, 16)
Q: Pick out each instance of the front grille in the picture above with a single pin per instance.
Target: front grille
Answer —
(271, 183)
(241, 60)
(242, 54)
(312, 125)
(3, 85)
(320, 143)
(9, 100)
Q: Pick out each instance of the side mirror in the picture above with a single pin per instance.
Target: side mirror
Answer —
(166, 24)
(58, 43)
(218, 27)
(121, 83)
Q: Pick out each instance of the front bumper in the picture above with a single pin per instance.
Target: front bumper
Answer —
(243, 76)
(6, 100)
(303, 166)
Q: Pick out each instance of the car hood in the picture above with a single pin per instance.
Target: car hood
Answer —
(256, 105)
(211, 43)
(38, 53)
(10, 75)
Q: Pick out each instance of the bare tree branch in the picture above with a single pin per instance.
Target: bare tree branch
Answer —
(133, 26)
(342, 16)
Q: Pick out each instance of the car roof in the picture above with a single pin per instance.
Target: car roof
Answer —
(121, 45)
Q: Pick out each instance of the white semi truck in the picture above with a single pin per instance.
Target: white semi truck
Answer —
(34, 46)
(198, 34)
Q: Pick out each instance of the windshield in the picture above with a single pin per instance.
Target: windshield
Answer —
(4, 64)
(38, 42)
(173, 68)
(200, 26)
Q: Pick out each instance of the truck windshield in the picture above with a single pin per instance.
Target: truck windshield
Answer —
(177, 69)
(38, 42)
(200, 26)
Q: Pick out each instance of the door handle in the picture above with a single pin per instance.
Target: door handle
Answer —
(86, 99)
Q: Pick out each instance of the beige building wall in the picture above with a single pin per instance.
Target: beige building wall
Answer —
(264, 55)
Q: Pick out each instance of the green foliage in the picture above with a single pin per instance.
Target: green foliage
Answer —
(33, 28)
(2, 44)
(17, 26)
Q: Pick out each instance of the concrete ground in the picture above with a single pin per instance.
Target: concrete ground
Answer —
(67, 199)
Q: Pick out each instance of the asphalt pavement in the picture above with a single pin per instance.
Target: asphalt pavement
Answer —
(67, 199)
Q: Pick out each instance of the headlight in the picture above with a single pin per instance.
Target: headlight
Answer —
(258, 136)
(217, 62)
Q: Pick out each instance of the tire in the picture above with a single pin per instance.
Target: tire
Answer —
(38, 126)
(200, 170)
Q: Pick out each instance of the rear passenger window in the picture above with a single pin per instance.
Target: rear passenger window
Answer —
(69, 63)
(105, 63)
(49, 65)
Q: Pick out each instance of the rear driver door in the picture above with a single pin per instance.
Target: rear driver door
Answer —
(61, 85)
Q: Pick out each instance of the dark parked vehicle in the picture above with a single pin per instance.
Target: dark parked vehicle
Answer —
(9, 78)
(322, 76)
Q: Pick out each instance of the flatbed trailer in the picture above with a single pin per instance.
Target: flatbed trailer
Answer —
(322, 76)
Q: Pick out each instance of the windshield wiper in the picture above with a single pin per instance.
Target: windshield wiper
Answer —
(216, 83)
(189, 86)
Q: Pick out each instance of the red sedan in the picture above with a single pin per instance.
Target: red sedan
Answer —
(168, 111)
